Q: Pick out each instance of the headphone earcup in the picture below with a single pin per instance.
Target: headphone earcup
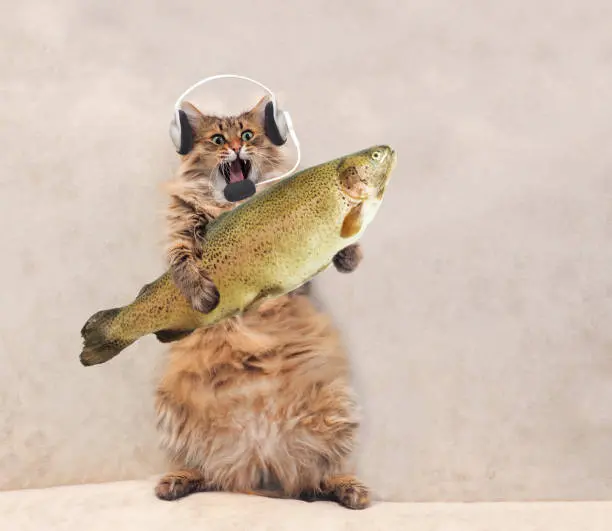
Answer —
(186, 134)
(275, 125)
(181, 133)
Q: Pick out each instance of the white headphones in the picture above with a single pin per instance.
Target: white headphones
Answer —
(277, 123)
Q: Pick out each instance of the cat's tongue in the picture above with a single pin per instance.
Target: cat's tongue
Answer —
(236, 172)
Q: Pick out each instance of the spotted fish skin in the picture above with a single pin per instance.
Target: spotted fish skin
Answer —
(266, 247)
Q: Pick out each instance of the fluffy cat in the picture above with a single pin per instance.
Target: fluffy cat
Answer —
(260, 403)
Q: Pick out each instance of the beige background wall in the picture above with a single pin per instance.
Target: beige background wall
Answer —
(479, 324)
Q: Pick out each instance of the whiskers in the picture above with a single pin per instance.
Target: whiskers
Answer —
(264, 161)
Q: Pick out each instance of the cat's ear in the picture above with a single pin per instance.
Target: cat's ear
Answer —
(194, 115)
(258, 112)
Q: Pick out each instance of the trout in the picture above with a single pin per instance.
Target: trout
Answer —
(268, 246)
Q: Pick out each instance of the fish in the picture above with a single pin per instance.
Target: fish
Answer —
(269, 245)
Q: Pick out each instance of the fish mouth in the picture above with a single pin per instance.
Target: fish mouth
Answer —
(391, 163)
(235, 171)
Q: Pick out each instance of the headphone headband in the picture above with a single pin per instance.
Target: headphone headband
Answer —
(177, 105)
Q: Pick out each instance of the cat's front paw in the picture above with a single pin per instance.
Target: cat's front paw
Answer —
(205, 296)
(196, 286)
(347, 260)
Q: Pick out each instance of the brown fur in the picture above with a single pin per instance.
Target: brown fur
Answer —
(261, 403)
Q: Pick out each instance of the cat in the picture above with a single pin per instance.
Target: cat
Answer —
(260, 403)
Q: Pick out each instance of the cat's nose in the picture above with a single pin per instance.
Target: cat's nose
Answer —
(235, 146)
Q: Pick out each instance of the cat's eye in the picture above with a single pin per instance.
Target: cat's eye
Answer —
(218, 139)
(377, 155)
(247, 135)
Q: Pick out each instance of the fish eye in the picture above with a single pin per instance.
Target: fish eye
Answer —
(377, 155)
(247, 135)
(218, 139)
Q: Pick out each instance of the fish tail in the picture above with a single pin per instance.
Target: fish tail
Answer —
(98, 345)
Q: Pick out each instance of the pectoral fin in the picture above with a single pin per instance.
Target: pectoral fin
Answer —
(352, 222)
(168, 336)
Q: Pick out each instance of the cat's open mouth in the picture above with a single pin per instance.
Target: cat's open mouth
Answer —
(235, 171)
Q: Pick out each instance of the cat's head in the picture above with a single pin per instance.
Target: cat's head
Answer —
(231, 148)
